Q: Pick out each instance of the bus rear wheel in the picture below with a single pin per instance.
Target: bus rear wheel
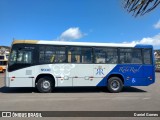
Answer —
(115, 85)
(45, 85)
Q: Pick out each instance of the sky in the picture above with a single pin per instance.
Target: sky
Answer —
(76, 20)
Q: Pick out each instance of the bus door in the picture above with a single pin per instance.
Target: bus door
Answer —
(22, 59)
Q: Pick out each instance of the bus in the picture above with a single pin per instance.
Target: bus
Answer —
(49, 64)
(3, 62)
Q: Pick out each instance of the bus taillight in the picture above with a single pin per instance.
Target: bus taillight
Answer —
(12, 78)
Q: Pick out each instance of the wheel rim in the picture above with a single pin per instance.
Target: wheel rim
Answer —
(46, 84)
(115, 85)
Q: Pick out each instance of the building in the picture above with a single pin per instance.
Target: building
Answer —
(4, 54)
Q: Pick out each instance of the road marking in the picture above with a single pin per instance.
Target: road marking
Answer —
(146, 98)
(125, 98)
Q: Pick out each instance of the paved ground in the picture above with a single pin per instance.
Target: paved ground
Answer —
(82, 99)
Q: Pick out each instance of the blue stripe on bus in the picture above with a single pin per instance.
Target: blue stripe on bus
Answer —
(133, 75)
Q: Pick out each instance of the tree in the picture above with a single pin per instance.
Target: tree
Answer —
(140, 7)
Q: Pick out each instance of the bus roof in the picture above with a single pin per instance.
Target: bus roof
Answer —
(78, 43)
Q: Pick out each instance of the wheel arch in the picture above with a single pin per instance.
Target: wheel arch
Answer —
(116, 75)
(44, 75)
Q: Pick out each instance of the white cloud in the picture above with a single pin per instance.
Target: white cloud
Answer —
(157, 25)
(72, 33)
(155, 41)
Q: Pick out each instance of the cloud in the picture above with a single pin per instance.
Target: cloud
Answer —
(157, 25)
(72, 33)
(155, 41)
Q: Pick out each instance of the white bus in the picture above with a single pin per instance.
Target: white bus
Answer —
(49, 64)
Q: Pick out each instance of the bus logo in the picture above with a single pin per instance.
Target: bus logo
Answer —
(99, 71)
(45, 70)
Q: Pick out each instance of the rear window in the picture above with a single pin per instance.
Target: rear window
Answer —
(1, 57)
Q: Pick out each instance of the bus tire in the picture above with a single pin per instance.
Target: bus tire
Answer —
(45, 85)
(115, 85)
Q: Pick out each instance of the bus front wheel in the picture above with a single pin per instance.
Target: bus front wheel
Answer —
(115, 85)
(45, 85)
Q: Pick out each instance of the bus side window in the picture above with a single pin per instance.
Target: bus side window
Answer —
(52, 59)
(125, 55)
(100, 55)
(106, 55)
(136, 56)
(52, 54)
(147, 56)
(75, 58)
(111, 55)
(86, 55)
(74, 55)
(130, 55)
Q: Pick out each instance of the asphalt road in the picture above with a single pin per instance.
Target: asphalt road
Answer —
(81, 99)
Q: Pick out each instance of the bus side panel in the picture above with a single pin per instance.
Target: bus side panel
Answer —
(149, 73)
(90, 74)
(75, 74)
(133, 75)
(143, 77)
(21, 82)
(81, 75)
(21, 78)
